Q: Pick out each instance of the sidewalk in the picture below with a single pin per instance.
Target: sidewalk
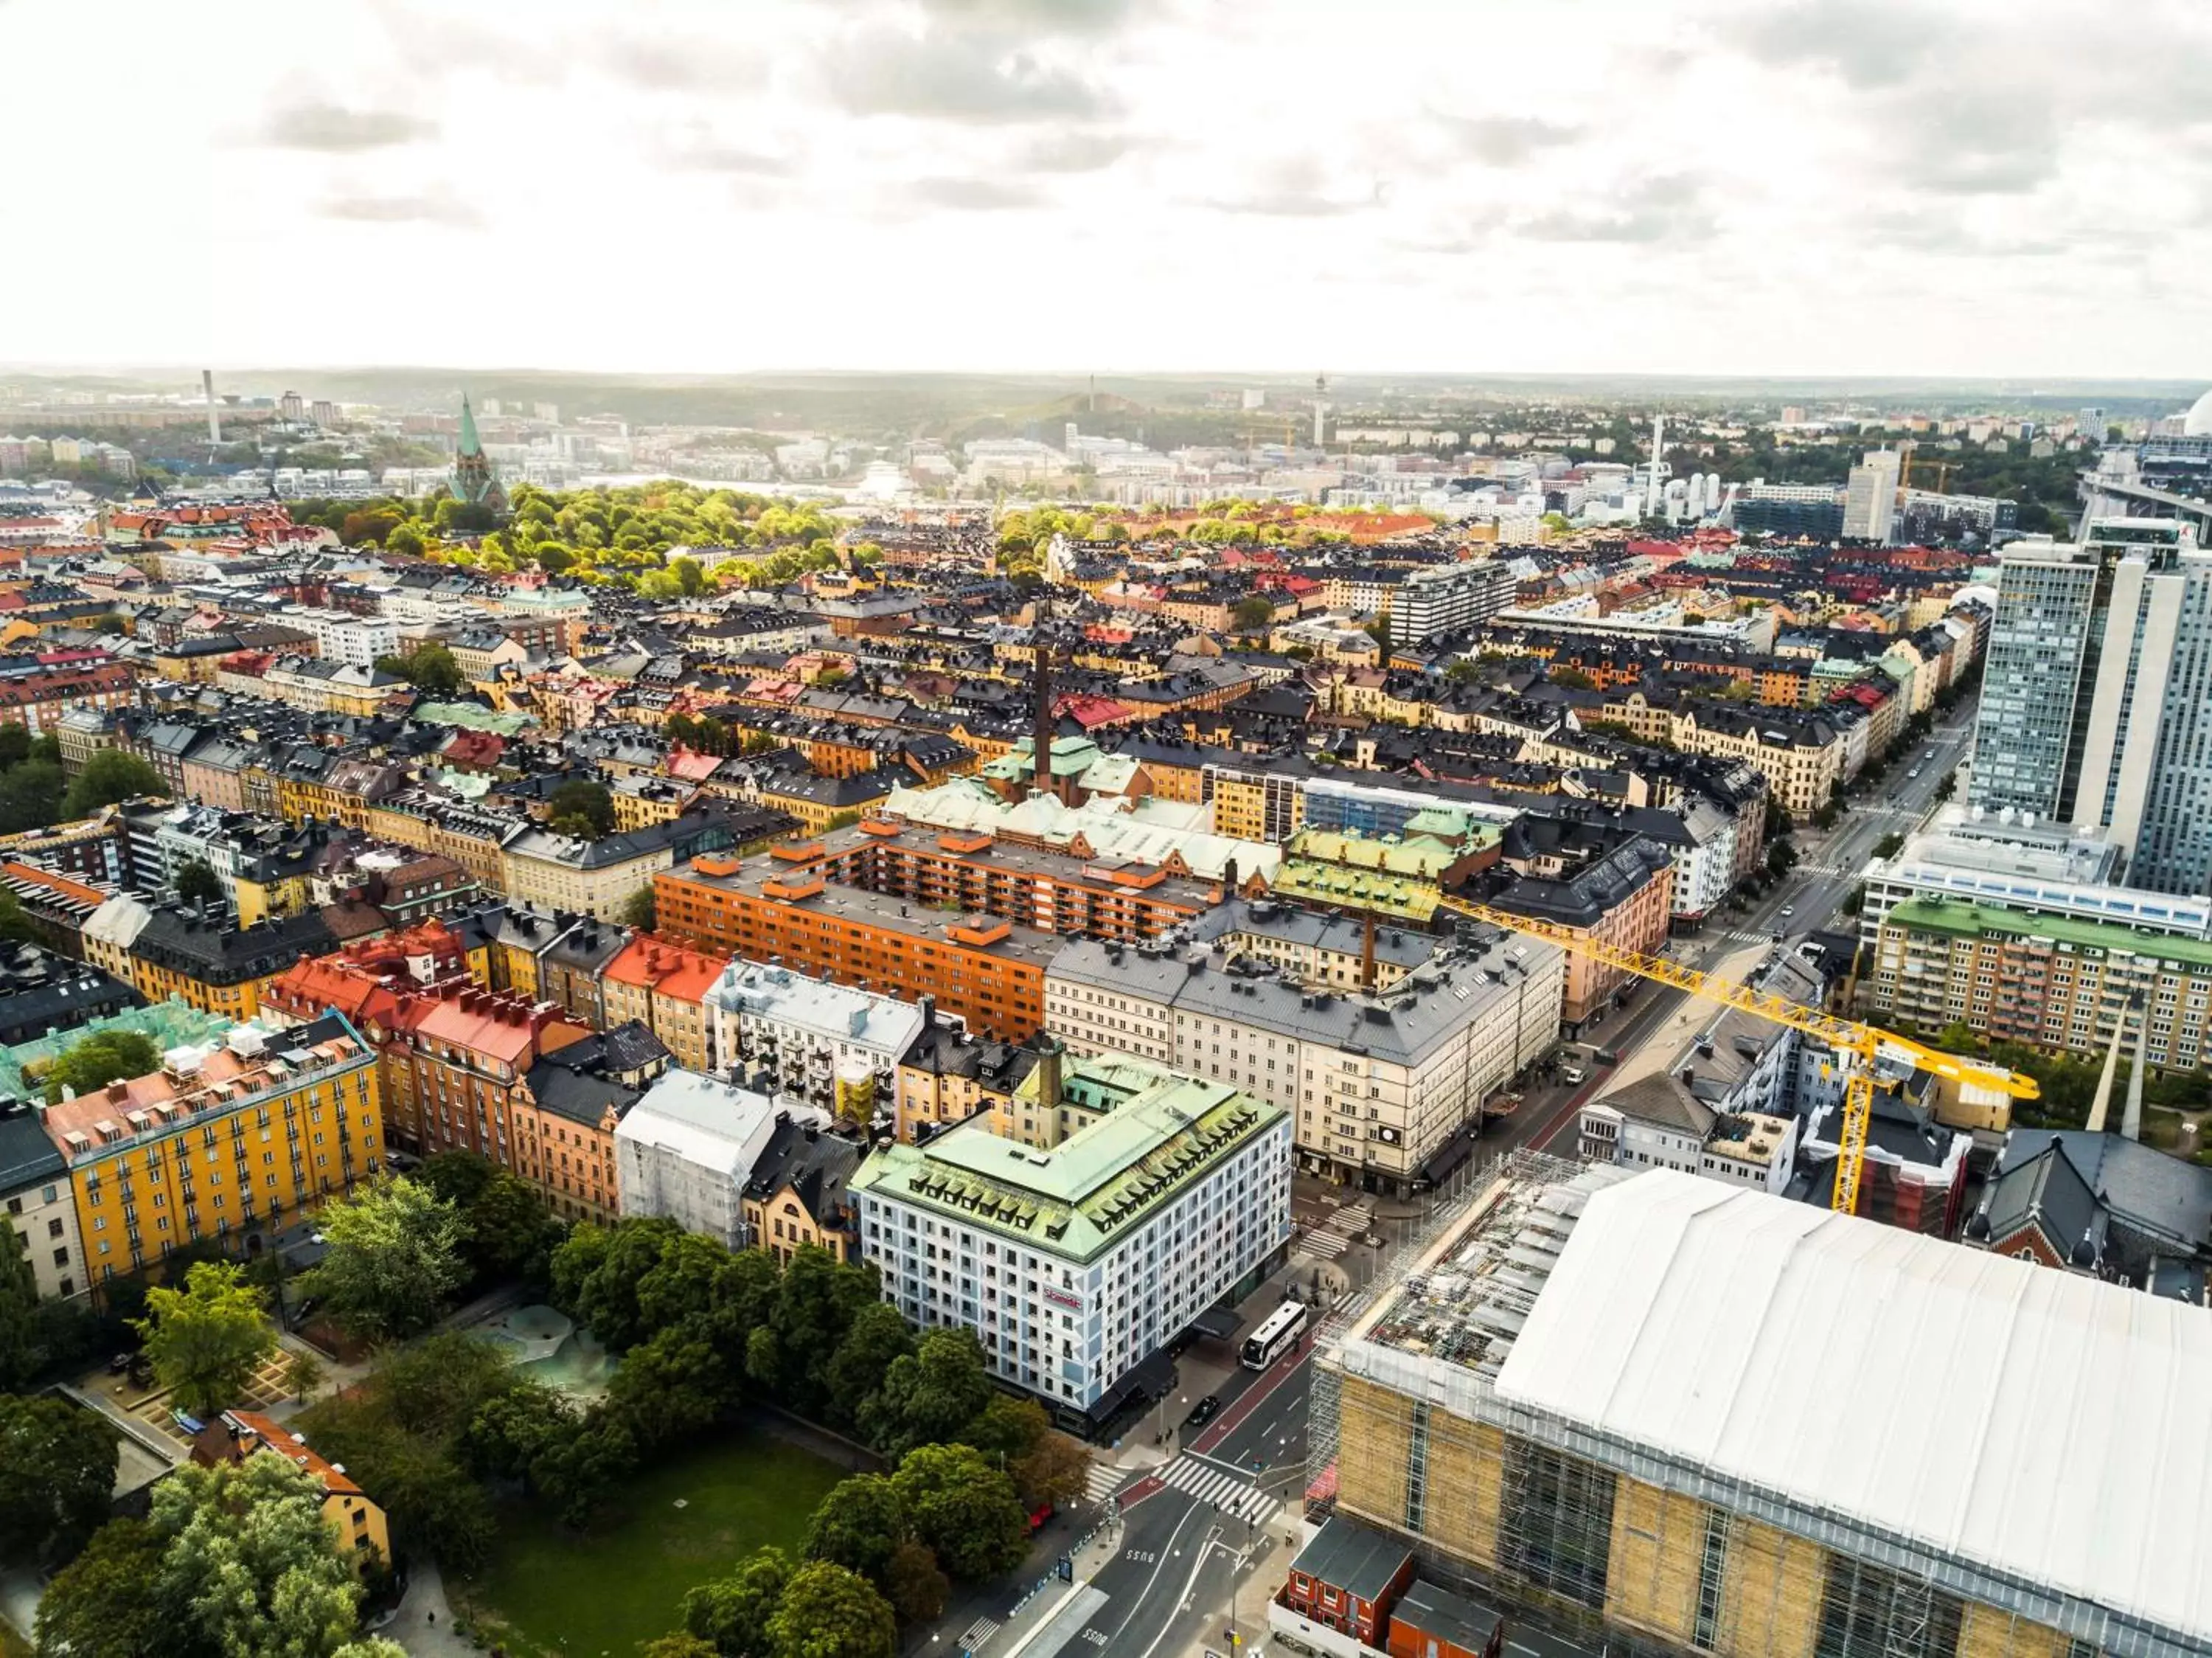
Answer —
(423, 1625)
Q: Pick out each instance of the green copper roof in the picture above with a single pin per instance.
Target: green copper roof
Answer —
(1334, 886)
(1101, 1182)
(1978, 920)
(170, 1024)
(471, 444)
(471, 716)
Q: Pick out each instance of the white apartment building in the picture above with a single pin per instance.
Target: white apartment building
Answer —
(804, 1034)
(686, 1149)
(1380, 1088)
(342, 636)
(39, 1202)
(1076, 1264)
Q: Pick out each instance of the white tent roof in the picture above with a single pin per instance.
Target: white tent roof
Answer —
(2035, 1422)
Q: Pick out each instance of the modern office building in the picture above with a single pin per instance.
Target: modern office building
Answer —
(2146, 778)
(1669, 1415)
(1870, 497)
(1077, 1263)
(2029, 732)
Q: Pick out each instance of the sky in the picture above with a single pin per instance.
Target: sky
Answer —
(1985, 187)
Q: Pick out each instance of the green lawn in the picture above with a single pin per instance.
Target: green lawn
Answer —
(618, 1584)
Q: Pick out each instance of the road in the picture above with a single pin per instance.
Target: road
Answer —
(1186, 1529)
(1812, 892)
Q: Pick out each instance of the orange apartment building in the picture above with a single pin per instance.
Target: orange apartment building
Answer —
(663, 986)
(781, 907)
(1052, 892)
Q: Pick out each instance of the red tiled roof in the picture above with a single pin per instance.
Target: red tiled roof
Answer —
(669, 969)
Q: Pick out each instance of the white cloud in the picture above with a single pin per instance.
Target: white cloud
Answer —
(1724, 186)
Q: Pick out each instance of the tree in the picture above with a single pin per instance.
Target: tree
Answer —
(597, 1272)
(32, 794)
(375, 1647)
(56, 1475)
(930, 1395)
(22, 1346)
(196, 883)
(1571, 679)
(917, 1589)
(582, 797)
(510, 1230)
(639, 910)
(403, 538)
(393, 1257)
(1889, 846)
(680, 1644)
(108, 777)
(104, 1600)
(303, 1374)
(858, 1524)
(732, 1612)
(206, 1340)
(878, 1338)
(827, 1611)
(1379, 629)
(1252, 614)
(15, 744)
(250, 1565)
(107, 1057)
(573, 1473)
(1045, 1466)
(963, 1510)
(674, 1386)
(430, 668)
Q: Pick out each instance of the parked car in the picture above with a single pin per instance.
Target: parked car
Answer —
(1202, 1413)
(1574, 1073)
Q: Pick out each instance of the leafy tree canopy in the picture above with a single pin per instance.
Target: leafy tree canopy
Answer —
(206, 1340)
(393, 1257)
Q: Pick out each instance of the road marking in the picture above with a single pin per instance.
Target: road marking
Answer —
(978, 1632)
(1231, 1493)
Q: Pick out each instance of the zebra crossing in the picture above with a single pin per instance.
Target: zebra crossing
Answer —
(1102, 1479)
(1334, 1235)
(978, 1632)
(1742, 937)
(1231, 1493)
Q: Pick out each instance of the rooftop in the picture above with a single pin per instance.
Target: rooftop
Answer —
(1980, 921)
(1077, 1198)
(1701, 1322)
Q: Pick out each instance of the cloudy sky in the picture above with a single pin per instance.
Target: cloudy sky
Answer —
(1984, 187)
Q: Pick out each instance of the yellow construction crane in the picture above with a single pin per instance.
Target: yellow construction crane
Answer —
(1852, 1041)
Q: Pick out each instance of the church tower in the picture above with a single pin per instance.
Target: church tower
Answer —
(474, 480)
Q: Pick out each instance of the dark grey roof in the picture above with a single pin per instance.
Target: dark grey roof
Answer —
(1663, 1101)
(27, 1155)
(1347, 1556)
(2145, 1189)
(2044, 1189)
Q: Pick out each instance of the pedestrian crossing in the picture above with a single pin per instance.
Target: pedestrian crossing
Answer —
(1102, 1479)
(1334, 1235)
(1231, 1493)
(978, 1632)
(1742, 937)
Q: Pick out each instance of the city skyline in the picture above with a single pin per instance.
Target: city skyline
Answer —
(994, 185)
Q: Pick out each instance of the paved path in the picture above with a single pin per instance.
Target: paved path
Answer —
(424, 1623)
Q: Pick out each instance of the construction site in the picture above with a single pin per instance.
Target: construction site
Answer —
(1647, 1412)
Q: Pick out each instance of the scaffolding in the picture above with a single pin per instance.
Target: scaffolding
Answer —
(1604, 1540)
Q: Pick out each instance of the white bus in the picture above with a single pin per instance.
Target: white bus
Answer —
(1276, 1332)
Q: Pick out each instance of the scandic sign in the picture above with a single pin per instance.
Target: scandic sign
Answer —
(1061, 1298)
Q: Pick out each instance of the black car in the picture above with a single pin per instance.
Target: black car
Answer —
(1202, 1413)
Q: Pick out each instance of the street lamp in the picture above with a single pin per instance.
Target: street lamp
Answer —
(1160, 1423)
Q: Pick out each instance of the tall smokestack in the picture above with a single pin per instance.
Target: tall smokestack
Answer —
(1658, 445)
(1049, 1056)
(1367, 955)
(1042, 661)
(215, 416)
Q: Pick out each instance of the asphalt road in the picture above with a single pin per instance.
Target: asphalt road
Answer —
(1176, 1570)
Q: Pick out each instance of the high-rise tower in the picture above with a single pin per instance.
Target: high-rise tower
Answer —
(1321, 410)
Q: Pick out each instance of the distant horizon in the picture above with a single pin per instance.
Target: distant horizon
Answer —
(1075, 379)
